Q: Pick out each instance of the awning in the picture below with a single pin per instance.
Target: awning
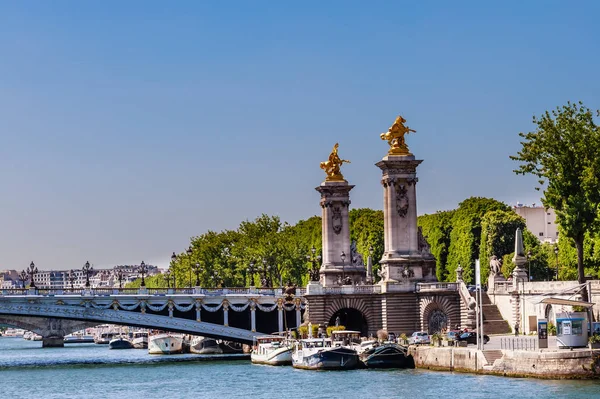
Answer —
(567, 302)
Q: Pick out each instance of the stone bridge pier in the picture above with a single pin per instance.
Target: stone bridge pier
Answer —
(52, 330)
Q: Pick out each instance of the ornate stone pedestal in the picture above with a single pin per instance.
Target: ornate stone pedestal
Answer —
(406, 253)
(335, 200)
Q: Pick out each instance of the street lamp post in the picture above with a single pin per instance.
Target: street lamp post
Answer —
(189, 254)
(71, 277)
(529, 264)
(119, 275)
(87, 270)
(215, 278)
(168, 277)
(143, 270)
(197, 269)
(23, 277)
(31, 271)
(313, 273)
(266, 272)
(556, 253)
(343, 257)
(250, 274)
(370, 278)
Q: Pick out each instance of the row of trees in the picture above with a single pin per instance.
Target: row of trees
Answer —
(265, 251)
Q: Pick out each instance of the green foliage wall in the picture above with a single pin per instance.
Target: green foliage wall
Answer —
(465, 236)
(436, 230)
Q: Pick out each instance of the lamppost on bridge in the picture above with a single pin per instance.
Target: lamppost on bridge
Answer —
(189, 253)
(250, 274)
(266, 272)
(32, 271)
(197, 269)
(167, 276)
(119, 275)
(556, 253)
(23, 277)
(343, 258)
(87, 270)
(71, 277)
(215, 278)
(529, 264)
(313, 273)
(143, 270)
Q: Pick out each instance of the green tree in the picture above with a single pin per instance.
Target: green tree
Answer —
(497, 237)
(564, 153)
(465, 236)
(366, 228)
(436, 230)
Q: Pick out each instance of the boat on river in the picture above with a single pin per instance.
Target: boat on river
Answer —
(205, 346)
(165, 344)
(140, 340)
(120, 342)
(272, 350)
(79, 338)
(388, 355)
(320, 354)
(104, 338)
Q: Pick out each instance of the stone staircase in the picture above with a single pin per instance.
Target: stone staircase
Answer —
(493, 323)
(490, 357)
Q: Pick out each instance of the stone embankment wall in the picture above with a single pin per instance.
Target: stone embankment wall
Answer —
(578, 364)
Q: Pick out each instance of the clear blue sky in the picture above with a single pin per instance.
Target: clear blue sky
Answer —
(128, 127)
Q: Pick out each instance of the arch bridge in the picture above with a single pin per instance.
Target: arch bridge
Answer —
(236, 314)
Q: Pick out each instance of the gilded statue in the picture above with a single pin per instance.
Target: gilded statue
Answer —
(395, 137)
(332, 165)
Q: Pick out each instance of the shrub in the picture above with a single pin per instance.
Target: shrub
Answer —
(334, 328)
(551, 329)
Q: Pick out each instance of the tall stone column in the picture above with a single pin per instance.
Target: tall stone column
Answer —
(406, 254)
(335, 201)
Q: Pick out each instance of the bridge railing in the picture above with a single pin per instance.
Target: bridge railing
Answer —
(422, 287)
(105, 291)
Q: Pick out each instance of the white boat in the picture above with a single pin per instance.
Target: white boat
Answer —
(36, 337)
(205, 346)
(271, 350)
(140, 340)
(28, 335)
(79, 338)
(320, 354)
(14, 333)
(165, 344)
(104, 338)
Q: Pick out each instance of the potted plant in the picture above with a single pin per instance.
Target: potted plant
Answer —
(436, 339)
(594, 341)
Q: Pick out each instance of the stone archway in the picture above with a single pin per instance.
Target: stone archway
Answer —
(437, 321)
(438, 312)
(350, 318)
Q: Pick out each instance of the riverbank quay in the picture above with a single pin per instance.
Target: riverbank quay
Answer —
(541, 363)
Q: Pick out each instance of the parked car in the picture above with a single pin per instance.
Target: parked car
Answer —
(471, 337)
(452, 335)
(419, 337)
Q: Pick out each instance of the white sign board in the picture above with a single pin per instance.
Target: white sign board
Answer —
(566, 325)
(477, 274)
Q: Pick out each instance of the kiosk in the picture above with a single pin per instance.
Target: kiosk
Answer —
(571, 330)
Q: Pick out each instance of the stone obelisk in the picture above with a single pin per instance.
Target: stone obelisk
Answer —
(519, 259)
(406, 254)
(335, 200)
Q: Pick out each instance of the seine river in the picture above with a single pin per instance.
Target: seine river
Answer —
(94, 371)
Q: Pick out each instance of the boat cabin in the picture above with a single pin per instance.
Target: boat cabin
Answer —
(268, 340)
(345, 337)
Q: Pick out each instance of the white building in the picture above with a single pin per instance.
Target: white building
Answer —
(540, 221)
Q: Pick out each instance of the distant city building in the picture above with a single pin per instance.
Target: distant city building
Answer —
(540, 221)
(59, 279)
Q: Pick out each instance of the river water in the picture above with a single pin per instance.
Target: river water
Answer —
(94, 371)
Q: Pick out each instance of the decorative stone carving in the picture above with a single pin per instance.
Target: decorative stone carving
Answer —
(401, 200)
(336, 220)
(356, 257)
(423, 244)
(495, 265)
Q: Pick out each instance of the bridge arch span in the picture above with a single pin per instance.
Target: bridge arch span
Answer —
(356, 312)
